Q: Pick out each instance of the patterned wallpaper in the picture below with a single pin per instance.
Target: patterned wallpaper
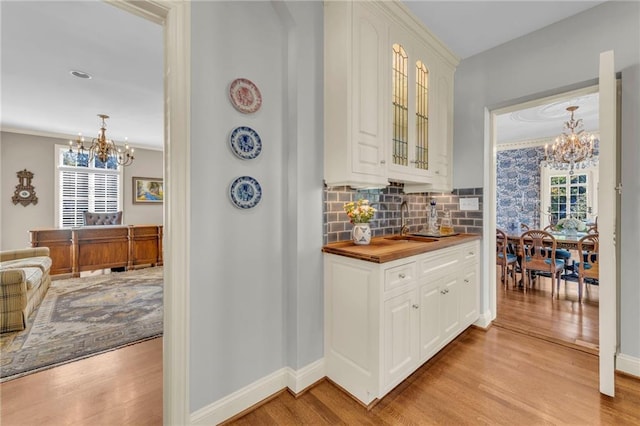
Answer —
(387, 219)
(518, 188)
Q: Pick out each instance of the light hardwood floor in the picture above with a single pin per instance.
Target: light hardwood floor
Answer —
(121, 387)
(562, 320)
(483, 377)
(498, 377)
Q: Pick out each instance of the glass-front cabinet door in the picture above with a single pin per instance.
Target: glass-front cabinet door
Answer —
(410, 106)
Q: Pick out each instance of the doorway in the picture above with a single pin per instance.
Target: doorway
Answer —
(175, 18)
(523, 197)
(524, 135)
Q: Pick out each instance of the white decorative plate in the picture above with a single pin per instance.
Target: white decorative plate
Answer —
(245, 143)
(245, 96)
(245, 192)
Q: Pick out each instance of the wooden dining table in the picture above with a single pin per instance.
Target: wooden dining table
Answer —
(568, 242)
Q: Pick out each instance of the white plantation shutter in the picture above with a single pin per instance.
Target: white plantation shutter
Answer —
(85, 189)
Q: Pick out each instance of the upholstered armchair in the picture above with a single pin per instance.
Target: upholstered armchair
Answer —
(113, 218)
(24, 281)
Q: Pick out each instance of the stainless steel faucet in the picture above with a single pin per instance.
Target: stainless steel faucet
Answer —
(404, 228)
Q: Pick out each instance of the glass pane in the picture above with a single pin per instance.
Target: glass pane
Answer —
(83, 160)
(400, 106)
(98, 164)
(422, 119)
(112, 163)
(68, 158)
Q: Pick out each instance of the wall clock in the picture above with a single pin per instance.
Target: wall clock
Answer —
(25, 193)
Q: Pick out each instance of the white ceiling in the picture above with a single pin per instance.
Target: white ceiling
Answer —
(43, 41)
(471, 27)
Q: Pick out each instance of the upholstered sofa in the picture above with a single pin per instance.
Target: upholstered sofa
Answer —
(24, 281)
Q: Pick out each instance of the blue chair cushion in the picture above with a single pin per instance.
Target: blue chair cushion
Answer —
(586, 265)
(560, 254)
(510, 257)
(559, 262)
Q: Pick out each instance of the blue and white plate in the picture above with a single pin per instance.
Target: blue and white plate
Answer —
(245, 143)
(245, 192)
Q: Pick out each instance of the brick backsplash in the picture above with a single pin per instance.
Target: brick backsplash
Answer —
(387, 201)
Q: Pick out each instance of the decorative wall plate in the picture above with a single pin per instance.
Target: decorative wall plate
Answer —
(245, 143)
(245, 96)
(245, 192)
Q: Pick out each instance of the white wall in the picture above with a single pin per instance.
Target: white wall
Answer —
(255, 275)
(36, 154)
(551, 60)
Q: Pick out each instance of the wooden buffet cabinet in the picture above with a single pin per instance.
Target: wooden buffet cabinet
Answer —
(88, 248)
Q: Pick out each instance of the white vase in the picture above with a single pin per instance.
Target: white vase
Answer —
(361, 234)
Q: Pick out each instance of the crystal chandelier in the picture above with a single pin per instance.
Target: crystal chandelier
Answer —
(103, 148)
(571, 151)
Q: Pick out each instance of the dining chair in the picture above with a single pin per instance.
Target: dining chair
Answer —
(504, 259)
(562, 254)
(539, 254)
(588, 267)
(524, 227)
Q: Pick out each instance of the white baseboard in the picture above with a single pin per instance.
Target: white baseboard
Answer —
(484, 320)
(257, 391)
(297, 381)
(628, 364)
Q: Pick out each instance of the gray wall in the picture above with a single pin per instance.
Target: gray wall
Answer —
(563, 55)
(36, 154)
(256, 275)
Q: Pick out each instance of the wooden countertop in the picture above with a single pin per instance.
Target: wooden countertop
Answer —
(385, 249)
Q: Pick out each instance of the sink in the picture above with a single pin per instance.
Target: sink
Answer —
(412, 238)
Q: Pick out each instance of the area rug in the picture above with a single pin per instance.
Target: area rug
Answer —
(81, 317)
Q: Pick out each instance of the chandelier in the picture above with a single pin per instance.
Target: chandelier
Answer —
(103, 148)
(573, 150)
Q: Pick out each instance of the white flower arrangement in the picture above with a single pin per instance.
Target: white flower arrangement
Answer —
(360, 211)
(571, 223)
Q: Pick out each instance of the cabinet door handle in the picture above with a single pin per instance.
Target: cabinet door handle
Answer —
(471, 253)
(466, 280)
(437, 172)
(383, 162)
(443, 291)
(414, 306)
(401, 275)
(413, 161)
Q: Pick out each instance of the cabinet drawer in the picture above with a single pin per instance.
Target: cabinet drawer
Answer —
(438, 262)
(469, 253)
(399, 275)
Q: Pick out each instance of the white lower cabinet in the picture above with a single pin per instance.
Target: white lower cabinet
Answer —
(400, 344)
(382, 321)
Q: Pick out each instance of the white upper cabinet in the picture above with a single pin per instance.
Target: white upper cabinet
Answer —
(355, 76)
(388, 99)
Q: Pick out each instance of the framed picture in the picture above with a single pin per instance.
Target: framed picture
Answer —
(147, 190)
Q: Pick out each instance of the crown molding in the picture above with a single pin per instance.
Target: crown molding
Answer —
(532, 143)
(66, 137)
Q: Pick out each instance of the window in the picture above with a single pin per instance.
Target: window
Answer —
(569, 195)
(85, 186)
